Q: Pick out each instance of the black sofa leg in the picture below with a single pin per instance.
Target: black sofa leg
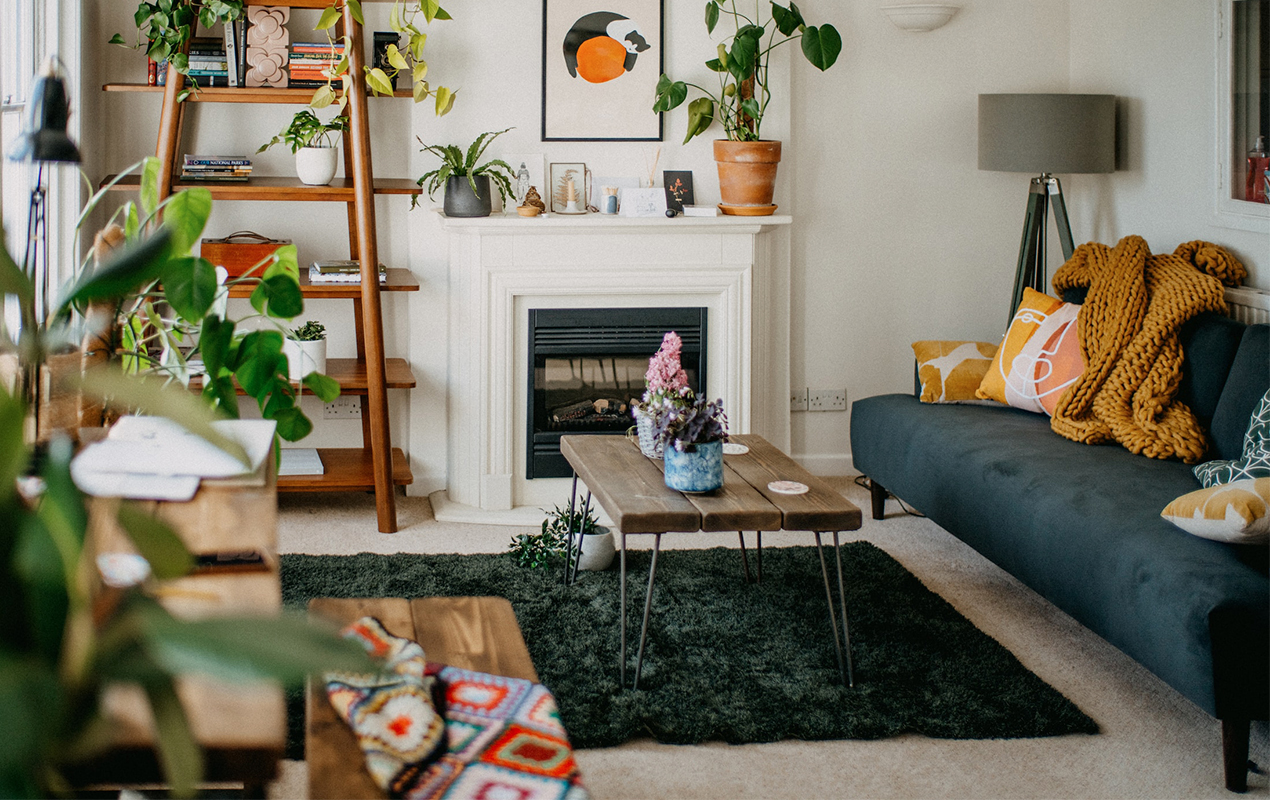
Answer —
(1234, 746)
(878, 494)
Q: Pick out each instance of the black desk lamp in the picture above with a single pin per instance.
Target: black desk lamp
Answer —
(1045, 134)
(41, 142)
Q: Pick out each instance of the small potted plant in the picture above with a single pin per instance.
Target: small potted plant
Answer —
(666, 388)
(692, 440)
(746, 162)
(305, 349)
(538, 550)
(311, 141)
(467, 184)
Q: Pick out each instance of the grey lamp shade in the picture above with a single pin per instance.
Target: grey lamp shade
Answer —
(44, 137)
(1038, 133)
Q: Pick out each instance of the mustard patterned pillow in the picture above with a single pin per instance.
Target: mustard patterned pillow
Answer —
(950, 372)
(1232, 512)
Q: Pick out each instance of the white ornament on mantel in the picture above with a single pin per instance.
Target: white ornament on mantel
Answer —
(920, 17)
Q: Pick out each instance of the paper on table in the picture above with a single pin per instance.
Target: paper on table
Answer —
(142, 457)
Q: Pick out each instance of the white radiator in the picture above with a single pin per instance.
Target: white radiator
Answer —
(1248, 305)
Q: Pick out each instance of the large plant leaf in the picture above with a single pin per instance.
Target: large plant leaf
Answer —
(286, 261)
(259, 359)
(189, 285)
(150, 181)
(179, 753)
(821, 46)
(156, 542)
(326, 389)
(742, 56)
(787, 19)
(278, 296)
(185, 214)
(293, 425)
(700, 116)
(712, 16)
(12, 280)
(286, 648)
(38, 566)
(669, 94)
(126, 270)
(13, 450)
(29, 701)
(154, 397)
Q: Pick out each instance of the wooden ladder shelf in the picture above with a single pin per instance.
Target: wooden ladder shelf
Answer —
(376, 465)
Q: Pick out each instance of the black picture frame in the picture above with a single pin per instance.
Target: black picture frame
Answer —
(599, 108)
(678, 183)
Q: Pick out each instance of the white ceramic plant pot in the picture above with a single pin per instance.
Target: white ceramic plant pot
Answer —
(597, 550)
(316, 165)
(304, 357)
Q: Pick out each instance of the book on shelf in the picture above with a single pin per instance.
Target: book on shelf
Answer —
(300, 461)
(700, 211)
(216, 161)
(341, 277)
(231, 51)
(338, 265)
(200, 80)
(317, 47)
(198, 176)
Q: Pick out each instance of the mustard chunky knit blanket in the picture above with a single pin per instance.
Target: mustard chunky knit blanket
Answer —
(1128, 330)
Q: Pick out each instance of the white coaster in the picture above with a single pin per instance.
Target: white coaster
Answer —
(734, 449)
(788, 487)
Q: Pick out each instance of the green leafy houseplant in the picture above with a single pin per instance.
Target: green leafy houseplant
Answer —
(454, 163)
(164, 27)
(699, 422)
(307, 130)
(742, 65)
(539, 550)
(310, 331)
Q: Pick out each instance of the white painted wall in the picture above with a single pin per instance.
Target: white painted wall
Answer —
(897, 235)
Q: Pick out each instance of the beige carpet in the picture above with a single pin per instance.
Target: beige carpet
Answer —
(1154, 743)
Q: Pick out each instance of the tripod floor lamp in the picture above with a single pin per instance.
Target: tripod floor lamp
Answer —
(1045, 134)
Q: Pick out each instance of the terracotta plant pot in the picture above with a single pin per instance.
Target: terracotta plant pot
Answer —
(747, 176)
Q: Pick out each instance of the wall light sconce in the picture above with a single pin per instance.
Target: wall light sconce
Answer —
(920, 17)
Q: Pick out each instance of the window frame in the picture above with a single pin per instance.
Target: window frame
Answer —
(1229, 212)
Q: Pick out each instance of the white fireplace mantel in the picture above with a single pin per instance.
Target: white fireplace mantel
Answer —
(503, 265)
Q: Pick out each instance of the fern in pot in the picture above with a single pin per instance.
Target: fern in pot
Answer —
(305, 349)
(312, 141)
(467, 184)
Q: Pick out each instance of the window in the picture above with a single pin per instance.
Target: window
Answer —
(1243, 108)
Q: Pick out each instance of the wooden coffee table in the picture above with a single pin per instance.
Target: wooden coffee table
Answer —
(631, 489)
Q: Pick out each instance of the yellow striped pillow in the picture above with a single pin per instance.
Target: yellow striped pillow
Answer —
(1231, 512)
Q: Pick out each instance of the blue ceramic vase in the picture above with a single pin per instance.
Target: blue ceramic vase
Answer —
(697, 469)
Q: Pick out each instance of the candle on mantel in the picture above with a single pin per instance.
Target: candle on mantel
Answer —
(571, 195)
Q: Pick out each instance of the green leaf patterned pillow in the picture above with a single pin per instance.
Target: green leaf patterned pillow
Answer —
(1255, 462)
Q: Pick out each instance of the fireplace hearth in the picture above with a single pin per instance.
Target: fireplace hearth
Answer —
(586, 368)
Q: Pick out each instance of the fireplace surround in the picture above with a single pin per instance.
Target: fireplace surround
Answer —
(501, 267)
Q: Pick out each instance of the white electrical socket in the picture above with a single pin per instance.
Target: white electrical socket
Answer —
(797, 399)
(344, 407)
(826, 399)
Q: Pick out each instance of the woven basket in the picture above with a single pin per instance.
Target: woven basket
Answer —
(648, 445)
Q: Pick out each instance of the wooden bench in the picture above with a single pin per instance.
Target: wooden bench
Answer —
(478, 633)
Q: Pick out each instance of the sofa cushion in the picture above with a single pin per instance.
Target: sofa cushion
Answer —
(1253, 462)
(1231, 512)
(1039, 358)
(1243, 388)
(1078, 524)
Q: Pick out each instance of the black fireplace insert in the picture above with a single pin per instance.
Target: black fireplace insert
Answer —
(586, 367)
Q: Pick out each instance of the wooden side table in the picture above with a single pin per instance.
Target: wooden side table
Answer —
(241, 727)
(631, 489)
(477, 633)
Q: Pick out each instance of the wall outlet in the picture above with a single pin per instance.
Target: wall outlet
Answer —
(826, 399)
(797, 399)
(346, 407)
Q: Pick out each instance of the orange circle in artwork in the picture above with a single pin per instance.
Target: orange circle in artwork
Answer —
(601, 59)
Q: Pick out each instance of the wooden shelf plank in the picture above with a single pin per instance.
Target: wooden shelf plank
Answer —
(238, 94)
(350, 374)
(399, 280)
(278, 188)
(347, 470)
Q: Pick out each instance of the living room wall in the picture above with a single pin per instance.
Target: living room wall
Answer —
(897, 235)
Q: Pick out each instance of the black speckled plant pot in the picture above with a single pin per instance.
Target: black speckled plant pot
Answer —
(461, 202)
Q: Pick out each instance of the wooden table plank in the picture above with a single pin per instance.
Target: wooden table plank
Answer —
(629, 487)
(478, 633)
(821, 509)
(736, 506)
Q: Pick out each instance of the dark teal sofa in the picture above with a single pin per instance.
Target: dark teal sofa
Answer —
(1081, 524)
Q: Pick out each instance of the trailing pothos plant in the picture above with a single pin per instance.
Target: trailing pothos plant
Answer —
(165, 26)
(742, 64)
(178, 315)
(307, 130)
(403, 19)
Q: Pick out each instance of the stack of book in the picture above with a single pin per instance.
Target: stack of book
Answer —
(215, 168)
(340, 271)
(309, 61)
(208, 64)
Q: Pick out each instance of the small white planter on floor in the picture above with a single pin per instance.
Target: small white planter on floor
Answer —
(315, 166)
(597, 550)
(304, 357)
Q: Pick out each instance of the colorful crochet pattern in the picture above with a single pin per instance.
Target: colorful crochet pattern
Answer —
(391, 713)
(503, 737)
(1128, 328)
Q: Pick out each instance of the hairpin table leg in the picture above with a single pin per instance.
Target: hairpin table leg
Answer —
(842, 601)
(648, 606)
(745, 560)
(759, 548)
(622, 613)
(568, 551)
(833, 621)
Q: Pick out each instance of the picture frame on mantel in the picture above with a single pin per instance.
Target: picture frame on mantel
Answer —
(599, 69)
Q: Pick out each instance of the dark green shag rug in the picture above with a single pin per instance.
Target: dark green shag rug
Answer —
(732, 661)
